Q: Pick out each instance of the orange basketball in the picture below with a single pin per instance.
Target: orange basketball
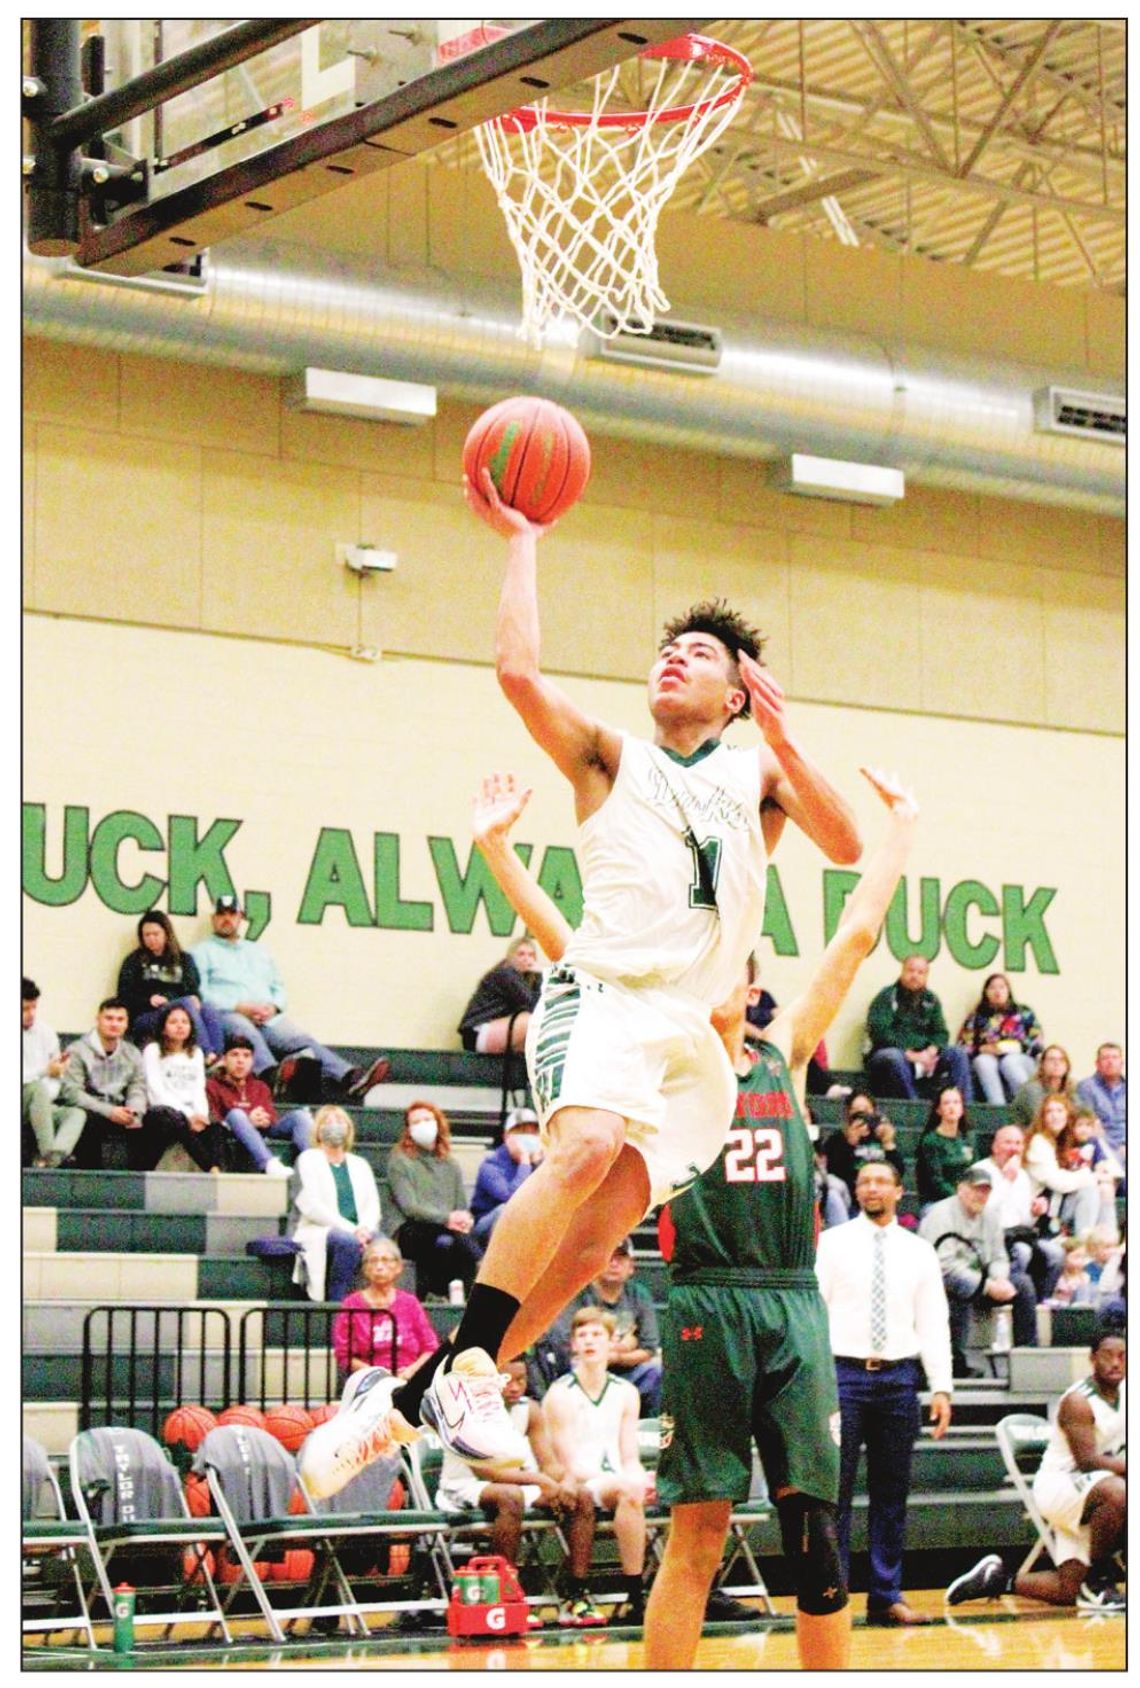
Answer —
(243, 1415)
(198, 1497)
(321, 1415)
(399, 1558)
(289, 1424)
(537, 453)
(297, 1505)
(228, 1572)
(186, 1426)
(297, 1566)
(192, 1563)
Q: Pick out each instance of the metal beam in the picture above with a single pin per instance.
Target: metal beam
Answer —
(1059, 79)
(881, 57)
(1020, 83)
(822, 187)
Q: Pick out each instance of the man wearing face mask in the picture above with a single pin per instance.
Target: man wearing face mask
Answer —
(504, 1169)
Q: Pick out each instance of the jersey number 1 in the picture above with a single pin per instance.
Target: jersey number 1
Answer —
(706, 871)
(755, 1155)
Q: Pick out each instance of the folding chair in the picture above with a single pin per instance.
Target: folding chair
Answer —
(743, 1521)
(1023, 1438)
(50, 1539)
(464, 1532)
(130, 1503)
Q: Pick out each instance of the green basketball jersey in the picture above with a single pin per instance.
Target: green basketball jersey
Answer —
(751, 1214)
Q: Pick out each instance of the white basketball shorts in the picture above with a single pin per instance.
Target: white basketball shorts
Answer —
(1062, 1495)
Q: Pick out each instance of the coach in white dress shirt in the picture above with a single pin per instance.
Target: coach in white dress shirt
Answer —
(889, 1322)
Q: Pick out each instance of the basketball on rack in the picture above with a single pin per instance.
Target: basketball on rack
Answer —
(537, 453)
(289, 1424)
(242, 1414)
(186, 1426)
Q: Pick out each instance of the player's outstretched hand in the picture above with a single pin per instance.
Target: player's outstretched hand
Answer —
(766, 696)
(894, 794)
(489, 507)
(498, 804)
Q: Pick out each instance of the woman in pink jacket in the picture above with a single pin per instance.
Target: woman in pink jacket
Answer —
(382, 1325)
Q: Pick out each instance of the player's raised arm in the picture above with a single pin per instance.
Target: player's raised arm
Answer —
(580, 747)
(793, 782)
(808, 1017)
(498, 805)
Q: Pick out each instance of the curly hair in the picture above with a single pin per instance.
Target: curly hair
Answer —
(712, 615)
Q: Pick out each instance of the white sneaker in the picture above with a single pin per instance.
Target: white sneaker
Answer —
(363, 1429)
(274, 1168)
(465, 1408)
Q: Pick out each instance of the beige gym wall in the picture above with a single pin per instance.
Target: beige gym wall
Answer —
(975, 642)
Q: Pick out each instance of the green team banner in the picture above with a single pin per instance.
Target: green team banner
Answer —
(179, 862)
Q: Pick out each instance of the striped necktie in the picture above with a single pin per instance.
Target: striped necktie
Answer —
(878, 1292)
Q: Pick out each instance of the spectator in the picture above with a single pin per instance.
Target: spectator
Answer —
(244, 1105)
(103, 1075)
(504, 1169)
(177, 1110)
(976, 1272)
(1021, 1212)
(157, 972)
(1081, 1492)
(910, 1046)
(887, 1314)
(636, 1350)
(1082, 1143)
(240, 979)
(821, 1080)
(591, 1416)
(504, 1495)
(54, 1126)
(1105, 1091)
(503, 1002)
(383, 1323)
(1103, 1248)
(1001, 1038)
(427, 1190)
(864, 1136)
(944, 1148)
(1112, 1289)
(337, 1206)
(1074, 1287)
(1074, 1193)
(1052, 1078)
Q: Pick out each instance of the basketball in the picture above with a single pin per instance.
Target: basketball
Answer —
(186, 1426)
(243, 1415)
(321, 1415)
(290, 1425)
(295, 1567)
(194, 1567)
(198, 1495)
(228, 1572)
(537, 453)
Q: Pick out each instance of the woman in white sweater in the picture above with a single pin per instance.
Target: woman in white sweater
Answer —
(1075, 1194)
(177, 1111)
(337, 1208)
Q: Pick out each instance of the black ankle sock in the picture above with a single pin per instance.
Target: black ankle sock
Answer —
(486, 1320)
(408, 1396)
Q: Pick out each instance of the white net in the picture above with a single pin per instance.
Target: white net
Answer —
(581, 200)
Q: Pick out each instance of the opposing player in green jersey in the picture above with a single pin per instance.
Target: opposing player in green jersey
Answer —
(747, 1351)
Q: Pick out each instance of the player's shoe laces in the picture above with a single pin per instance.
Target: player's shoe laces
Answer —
(364, 1428)
(1101, 1597)
(464, 1406)
(986, 1581)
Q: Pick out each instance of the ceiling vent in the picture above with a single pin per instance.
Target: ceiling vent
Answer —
(1084, 416)
(668, 345)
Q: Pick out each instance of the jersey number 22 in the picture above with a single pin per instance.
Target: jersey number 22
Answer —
(754, 1155)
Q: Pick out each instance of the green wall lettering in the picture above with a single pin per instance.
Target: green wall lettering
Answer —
(963, 897)
(838, 884)
(194, 861)
(1023, 923)
(777, 926)
(109, 836)
(257, 907)
(391, 909)
(335, 881)
(899, 941)
(560, 879)
(68, 888)
(462, 892)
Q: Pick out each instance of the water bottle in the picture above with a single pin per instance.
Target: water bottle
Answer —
(124, 1616)
(1003, 1331)
(455, 1292)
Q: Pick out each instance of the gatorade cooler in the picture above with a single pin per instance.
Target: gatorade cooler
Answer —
(487, 1602)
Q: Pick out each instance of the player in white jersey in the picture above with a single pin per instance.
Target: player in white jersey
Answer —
(591, 1418)
(1081, 1494)
(634, 1089)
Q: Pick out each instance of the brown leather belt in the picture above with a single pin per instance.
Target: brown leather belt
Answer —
(874, 1362)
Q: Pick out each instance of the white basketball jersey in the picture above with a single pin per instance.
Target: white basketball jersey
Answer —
(597, 1422)
(1109, 1428)
(673, 871)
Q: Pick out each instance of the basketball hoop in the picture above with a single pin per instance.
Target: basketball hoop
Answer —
(581, 191)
